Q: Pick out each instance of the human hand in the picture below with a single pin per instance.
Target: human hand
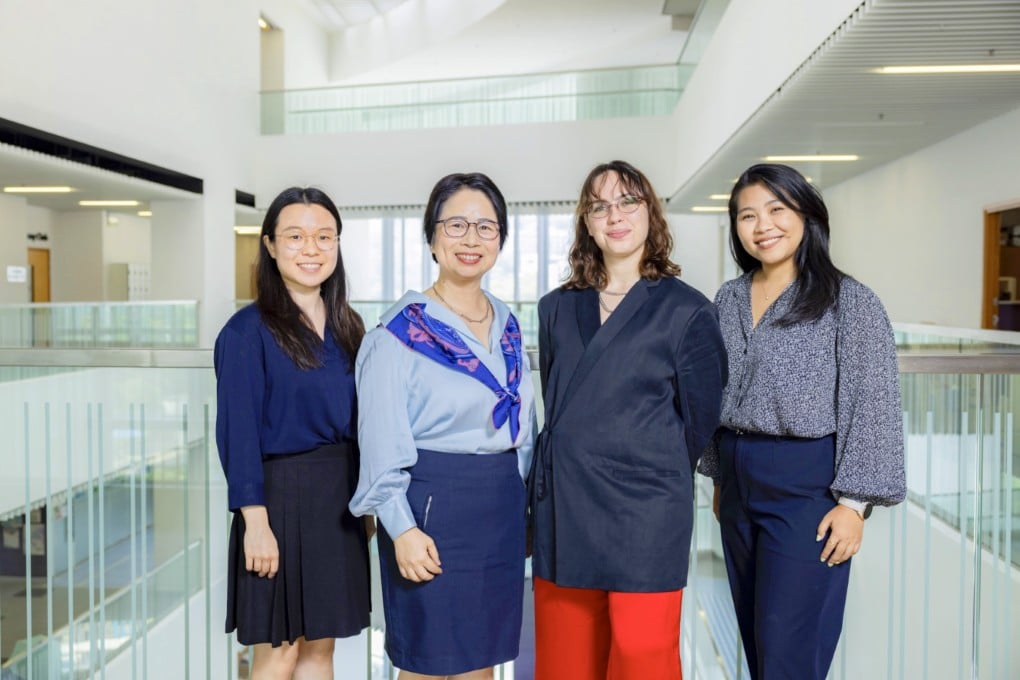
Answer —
(261, 552)
(369, 527)
(845, 528)
(716, 496)
(417, 556)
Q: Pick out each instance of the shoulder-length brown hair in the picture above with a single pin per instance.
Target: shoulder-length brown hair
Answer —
(587, 268)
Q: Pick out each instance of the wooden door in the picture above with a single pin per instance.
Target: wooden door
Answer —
(39, 260)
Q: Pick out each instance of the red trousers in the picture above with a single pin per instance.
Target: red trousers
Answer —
(583, 634)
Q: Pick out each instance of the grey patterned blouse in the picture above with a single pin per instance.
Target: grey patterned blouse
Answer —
(837, 374)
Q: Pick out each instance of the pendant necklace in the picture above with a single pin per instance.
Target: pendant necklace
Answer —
(485, 317)
(765, 291)
(602, 302)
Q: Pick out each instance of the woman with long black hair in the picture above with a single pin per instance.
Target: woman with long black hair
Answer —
(811, 434)
(286, 432)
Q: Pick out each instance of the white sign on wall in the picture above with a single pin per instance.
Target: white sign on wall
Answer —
(17, 273)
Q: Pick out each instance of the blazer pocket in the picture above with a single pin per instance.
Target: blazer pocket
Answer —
(632, 473)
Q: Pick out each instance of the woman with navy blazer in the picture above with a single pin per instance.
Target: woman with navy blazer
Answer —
(633, 367)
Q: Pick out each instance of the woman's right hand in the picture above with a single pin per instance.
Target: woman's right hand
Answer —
(417, 556)
(716, 495)
(261, 553)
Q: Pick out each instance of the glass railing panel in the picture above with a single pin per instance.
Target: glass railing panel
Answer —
(927, 338)
(100, 324)
(113, 512)
(110, 476)
(500, 100)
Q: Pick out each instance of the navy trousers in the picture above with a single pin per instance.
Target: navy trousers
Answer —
(789, 604)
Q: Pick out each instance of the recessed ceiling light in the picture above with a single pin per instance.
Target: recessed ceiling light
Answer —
(108, 204)
(709, 208)
(720, 197)
(812, 157)
(950, 68)
(145, 213)
(247, 230)
(38, 190)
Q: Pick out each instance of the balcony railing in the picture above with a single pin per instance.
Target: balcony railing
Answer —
(171, 323)
(498, 100)
(111, 480)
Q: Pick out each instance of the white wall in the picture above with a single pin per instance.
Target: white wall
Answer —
(753, 51)
(405, 30)
(76, 256)
(173, 83)
(699, 246)
(305, 44)
(535, 162)
(38, 221)
(13, 251)
(913, 229)
(126, 238)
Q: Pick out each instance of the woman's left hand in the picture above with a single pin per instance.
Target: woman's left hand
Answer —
(845, 528)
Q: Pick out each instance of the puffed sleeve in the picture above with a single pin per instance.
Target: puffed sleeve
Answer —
(240, 390)
(869, 426)
(384, 433)
(701, 372)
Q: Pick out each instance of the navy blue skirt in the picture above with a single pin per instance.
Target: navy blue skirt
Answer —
(469, 616)
(322, 588)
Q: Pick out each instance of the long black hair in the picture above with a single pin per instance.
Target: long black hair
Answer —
(817, 277)
(450, 185)
(289, 326)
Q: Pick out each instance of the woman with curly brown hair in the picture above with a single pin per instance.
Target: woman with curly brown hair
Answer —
(612, 482)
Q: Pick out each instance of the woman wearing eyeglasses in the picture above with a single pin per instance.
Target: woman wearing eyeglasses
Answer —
(446, 408)
(633, 367)
(285, 429)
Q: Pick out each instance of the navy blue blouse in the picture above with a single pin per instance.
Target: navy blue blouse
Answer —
(266, 405)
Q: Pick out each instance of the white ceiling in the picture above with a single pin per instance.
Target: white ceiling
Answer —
(833, 104)
(340, 14)
(21, 167)
(535, 36)
(836, 104)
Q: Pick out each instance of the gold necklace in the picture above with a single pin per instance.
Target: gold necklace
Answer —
(765, 292)
(485, 317)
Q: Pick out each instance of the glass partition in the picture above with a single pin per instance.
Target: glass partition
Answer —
(105, 507)
(113, 519)
(927, 338)
(499, 100)
(100, 324)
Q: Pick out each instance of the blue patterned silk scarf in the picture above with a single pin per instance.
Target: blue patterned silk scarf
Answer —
(441, 343)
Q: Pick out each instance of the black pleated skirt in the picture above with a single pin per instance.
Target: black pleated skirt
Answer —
(469, 616)
(322, 587)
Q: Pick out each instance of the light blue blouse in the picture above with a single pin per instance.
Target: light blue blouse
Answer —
(407, 401)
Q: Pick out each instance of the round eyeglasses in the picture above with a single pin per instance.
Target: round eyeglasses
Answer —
(457, 227)
(626, 204)
(295, 240)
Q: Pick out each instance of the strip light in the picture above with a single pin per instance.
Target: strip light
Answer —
(38, 190)
(709, 208)
(814, 157)
(108, 204)
(949, 68)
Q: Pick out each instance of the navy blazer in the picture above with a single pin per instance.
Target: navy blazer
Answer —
(629, 407)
